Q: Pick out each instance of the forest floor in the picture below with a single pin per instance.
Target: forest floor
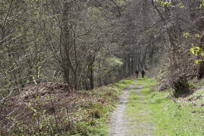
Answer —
(144, 111)
(141, 111)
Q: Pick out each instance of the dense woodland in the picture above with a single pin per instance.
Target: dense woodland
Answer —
(87, 44)
(83, 43)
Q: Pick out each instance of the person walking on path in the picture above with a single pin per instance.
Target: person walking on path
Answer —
(143, 73)
(137, 73)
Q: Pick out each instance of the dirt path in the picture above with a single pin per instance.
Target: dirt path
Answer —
(118, 127)
(135, 123)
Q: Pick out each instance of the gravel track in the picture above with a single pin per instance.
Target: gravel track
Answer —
(120, 121)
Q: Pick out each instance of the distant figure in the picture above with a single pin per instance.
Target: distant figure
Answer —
(137, 73)
(143, 73)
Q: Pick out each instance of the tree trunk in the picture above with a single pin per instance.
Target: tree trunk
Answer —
(91, 76)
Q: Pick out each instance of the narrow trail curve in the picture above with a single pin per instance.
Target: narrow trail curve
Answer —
(118, 127)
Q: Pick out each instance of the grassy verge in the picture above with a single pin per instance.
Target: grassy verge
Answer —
(173, 118)
(110, 93)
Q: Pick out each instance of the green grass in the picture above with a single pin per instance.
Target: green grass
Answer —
(147, 82)
(137, 113)
(123, 84)
(171, 118)
(137, 110)
(174, 119)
